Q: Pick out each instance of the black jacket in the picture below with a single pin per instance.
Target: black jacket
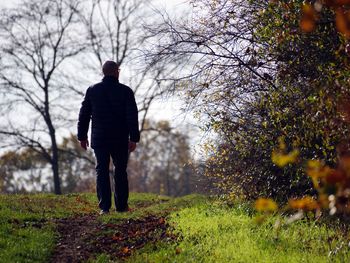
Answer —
(113, 110)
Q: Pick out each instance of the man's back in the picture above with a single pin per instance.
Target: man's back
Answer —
(113, 110)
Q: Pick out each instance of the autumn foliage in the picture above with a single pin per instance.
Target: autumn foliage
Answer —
(283, 108)
(331, 180)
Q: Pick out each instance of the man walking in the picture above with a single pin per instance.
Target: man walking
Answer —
(114, 133)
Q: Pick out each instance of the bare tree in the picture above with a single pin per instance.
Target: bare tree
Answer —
(37, 38)
(116, 31)
(219, 55)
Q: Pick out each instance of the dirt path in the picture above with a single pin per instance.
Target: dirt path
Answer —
(83, 237)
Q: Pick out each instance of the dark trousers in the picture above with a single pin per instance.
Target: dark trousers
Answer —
(119, 154)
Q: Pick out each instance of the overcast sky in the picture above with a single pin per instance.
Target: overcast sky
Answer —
(168, 4)
(165, 108)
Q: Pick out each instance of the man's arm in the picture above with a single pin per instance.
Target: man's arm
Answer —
(84, 120)
(132, 117)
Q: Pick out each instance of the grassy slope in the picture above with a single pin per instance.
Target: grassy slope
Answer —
(23, 237)
(208, 231)
(27, 233)
(212, 232)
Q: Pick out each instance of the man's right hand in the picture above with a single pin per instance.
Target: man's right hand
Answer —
(132, 146)
(84, 144)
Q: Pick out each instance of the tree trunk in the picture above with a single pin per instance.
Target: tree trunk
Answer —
(56, 177)
(54, 148)
(54, 165)
(54, 155)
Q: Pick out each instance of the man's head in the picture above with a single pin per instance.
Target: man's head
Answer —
(110, 68)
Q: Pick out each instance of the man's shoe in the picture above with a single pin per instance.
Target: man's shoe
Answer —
(127, 209)
(103, 212)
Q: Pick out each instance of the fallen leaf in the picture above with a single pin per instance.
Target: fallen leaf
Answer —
(125, 250)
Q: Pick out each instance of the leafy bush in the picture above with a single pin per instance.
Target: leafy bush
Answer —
(302, 105)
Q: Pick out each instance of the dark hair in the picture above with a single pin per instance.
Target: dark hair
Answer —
(110, 67)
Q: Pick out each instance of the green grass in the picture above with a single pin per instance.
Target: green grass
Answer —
(26, 230)
(207, 231)
(212, 232)
(155, 205)
(27, 233)
(25, 245)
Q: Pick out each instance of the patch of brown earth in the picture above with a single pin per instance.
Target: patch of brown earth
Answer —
(83, 237)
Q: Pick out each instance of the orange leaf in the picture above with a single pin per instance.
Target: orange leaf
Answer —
(335, 176)
(307, 25)
(344, 163)
(342, 20)
(316, 169)
(125, 250)
(281, 159)
(306, 203)
(308, 19)
(265, 205)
